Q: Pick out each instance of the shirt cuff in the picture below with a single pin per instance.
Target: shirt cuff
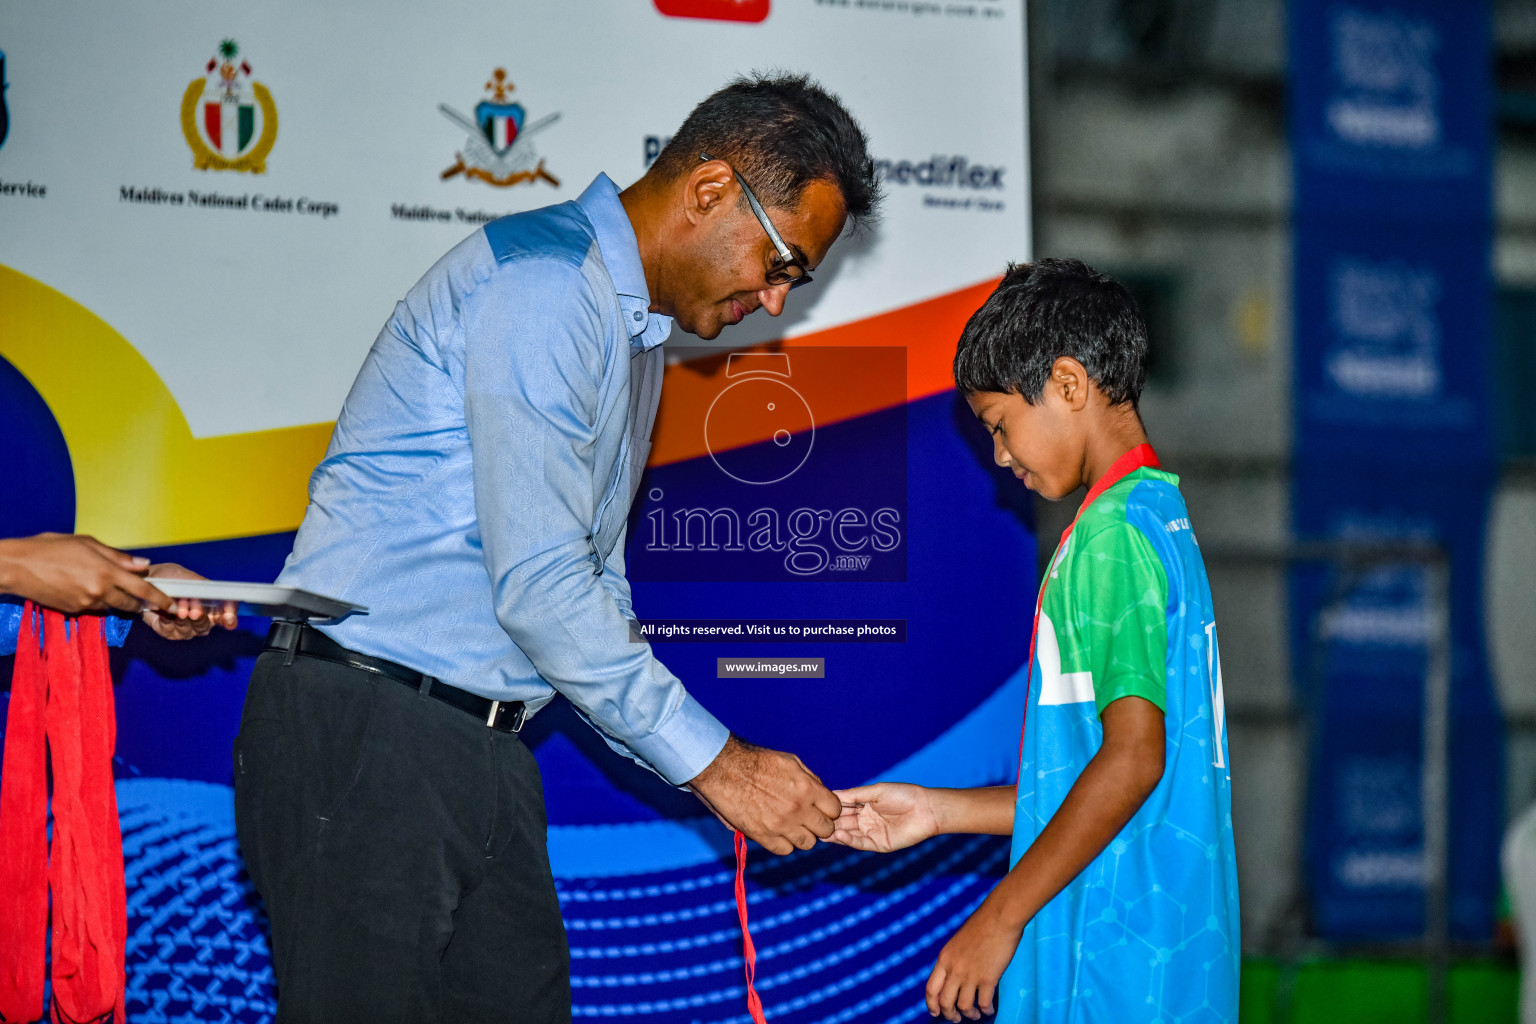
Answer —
(685, 743)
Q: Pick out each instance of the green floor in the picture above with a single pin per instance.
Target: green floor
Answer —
(1373, 992)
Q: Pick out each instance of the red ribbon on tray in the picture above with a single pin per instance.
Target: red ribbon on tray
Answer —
(61, 713)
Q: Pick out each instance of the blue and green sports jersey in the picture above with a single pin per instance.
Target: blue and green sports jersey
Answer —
(1149, 930)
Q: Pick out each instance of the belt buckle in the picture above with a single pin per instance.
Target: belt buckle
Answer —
(495, 713)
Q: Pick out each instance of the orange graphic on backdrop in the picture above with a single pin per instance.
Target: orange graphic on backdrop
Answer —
(928, 330)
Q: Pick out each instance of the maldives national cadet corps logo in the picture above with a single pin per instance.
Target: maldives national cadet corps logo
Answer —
(498, 150)
(228, 118)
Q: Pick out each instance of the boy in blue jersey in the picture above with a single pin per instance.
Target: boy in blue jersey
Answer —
(1121, 902)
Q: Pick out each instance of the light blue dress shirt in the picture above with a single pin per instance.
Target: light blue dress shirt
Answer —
(475, 492)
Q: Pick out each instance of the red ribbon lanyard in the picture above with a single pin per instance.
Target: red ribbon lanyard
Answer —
(1137, 458)
(748, 951)
(61, 718)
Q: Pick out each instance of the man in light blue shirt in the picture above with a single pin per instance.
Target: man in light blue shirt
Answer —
(474, 498)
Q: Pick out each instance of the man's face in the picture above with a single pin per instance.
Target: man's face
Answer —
(1039, 443)
(718, 278)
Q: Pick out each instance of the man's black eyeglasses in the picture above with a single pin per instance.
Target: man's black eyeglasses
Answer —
(788, 268)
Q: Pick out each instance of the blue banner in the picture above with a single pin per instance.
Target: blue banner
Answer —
(1391, 118)
(1391, 111)
(1392, 340)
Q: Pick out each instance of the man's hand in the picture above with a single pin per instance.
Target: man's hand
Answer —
(768, 795)
(964, 981)
(189, 618)
(76, 573)
(885, 817)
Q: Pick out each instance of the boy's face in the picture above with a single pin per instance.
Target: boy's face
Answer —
(1041, 443)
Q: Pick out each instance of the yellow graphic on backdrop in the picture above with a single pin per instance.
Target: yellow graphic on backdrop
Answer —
(141, 478)
(226, 130)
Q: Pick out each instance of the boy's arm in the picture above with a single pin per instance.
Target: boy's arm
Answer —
(987, 811)
(891, 816)
(1111, 788)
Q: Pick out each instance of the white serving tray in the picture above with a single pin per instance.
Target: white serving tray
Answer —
(260, 598)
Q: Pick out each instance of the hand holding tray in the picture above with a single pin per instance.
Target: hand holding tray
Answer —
(259, 598)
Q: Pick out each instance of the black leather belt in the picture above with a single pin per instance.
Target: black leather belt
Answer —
(301, 639)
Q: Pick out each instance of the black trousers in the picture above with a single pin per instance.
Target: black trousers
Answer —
(399, 846)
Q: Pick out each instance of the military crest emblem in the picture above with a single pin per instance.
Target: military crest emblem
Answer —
(499, 150)
(228, 118)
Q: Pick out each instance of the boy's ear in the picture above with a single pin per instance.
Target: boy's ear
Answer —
(1070, 381)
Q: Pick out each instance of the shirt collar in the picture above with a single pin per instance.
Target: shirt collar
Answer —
(621, 255)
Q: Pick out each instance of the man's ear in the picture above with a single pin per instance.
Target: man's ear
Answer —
(706, 189)
(1070, 381)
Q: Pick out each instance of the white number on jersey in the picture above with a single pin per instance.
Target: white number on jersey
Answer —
(1218, 702)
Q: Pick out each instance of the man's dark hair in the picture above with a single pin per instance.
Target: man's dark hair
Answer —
(780, 133)
(1045, 310)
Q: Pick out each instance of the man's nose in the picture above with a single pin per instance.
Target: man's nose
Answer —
(1000, 453)
(772, 298)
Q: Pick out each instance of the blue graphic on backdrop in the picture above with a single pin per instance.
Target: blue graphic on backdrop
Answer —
(34, 461)
(965, 528)
(841, 936)
(806, 502)
(197, 947)
(1391, 119)
(644, 877)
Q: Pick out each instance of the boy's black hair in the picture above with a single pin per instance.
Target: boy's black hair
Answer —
(1045, 310)
(781, 133)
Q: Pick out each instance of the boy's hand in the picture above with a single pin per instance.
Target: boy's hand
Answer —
(188, 617)
(964, 981)
(884, 817)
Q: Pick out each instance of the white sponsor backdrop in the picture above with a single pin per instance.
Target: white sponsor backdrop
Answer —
(258, 319)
